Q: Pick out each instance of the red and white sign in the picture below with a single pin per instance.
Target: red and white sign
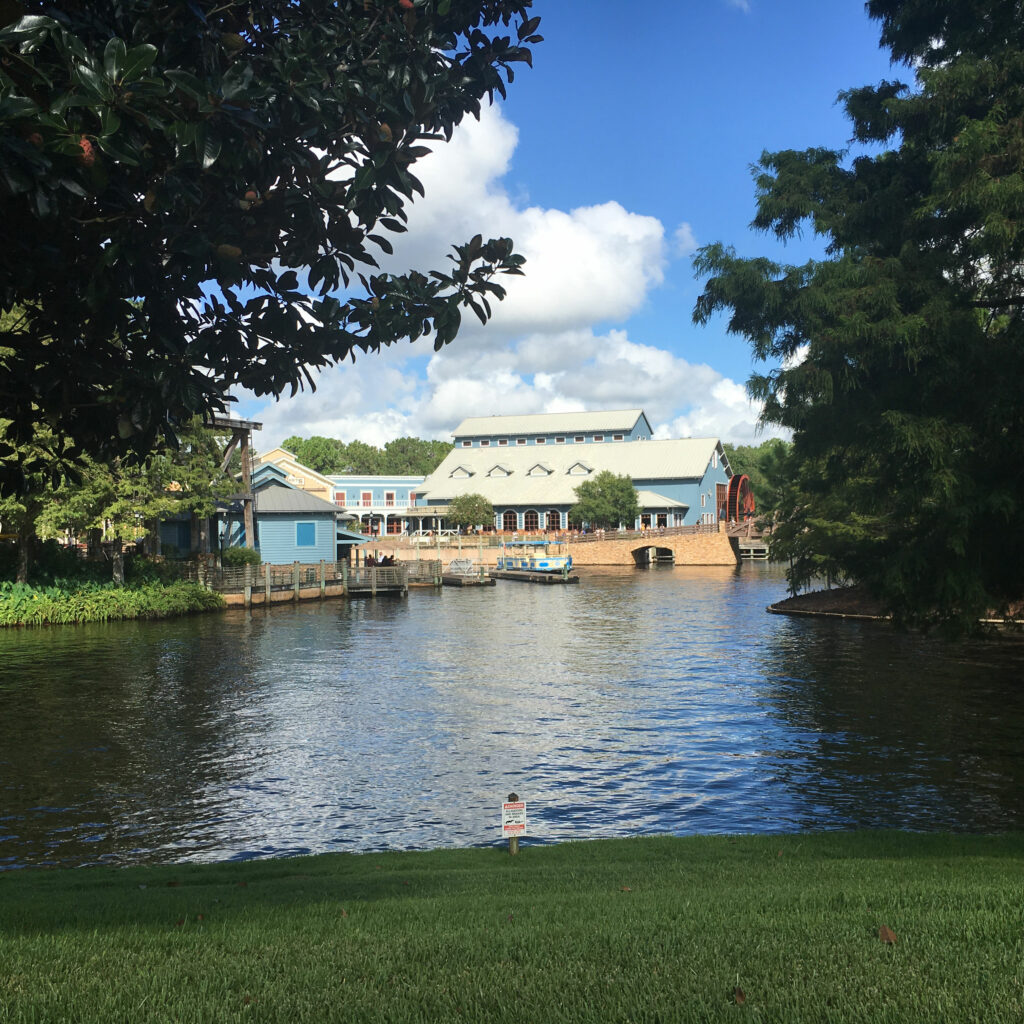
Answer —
(513, 818)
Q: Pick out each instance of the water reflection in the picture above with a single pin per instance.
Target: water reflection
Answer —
(658, 701)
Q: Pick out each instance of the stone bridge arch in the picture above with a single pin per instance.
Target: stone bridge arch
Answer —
(708, 547)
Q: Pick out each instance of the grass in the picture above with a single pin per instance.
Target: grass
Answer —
(752, 928)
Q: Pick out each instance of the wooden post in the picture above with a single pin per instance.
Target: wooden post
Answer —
(373, 580)
(247, 577)
(344, 576)
(266, 586)
(247, 501)
(323, 580)
(513, 841)
(295, 580)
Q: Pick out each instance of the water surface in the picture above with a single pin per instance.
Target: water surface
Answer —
(638, 702)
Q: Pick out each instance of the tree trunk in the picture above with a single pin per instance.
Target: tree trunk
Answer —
(118, 560)
(24, 555)
(95, 543)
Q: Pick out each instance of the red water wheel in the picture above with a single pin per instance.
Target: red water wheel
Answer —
(740, 503)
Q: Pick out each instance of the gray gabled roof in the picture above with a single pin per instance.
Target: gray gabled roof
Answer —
(282, 499)
(623, 420)
(644, 461)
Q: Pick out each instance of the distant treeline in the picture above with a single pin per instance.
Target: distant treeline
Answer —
(405, 456)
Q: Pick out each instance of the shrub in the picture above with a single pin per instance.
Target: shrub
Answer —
(240, 556)
(24, 605)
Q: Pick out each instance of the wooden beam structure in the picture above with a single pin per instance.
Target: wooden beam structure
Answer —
(241, 438)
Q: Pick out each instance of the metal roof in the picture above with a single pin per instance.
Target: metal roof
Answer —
(549, 422)
(276, 498)
(685, 459)
(650, 499)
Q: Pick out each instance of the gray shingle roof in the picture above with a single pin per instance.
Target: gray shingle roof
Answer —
(287, 500)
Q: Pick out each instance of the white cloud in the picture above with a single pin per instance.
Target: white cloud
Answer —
(542, 351)
(743, 5)
(684, 242)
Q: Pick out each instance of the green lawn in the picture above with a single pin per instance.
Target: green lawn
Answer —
(624, 930)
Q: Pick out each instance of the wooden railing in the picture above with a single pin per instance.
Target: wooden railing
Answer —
(298, 576)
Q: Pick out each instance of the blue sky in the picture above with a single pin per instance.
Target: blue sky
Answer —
(628, 144)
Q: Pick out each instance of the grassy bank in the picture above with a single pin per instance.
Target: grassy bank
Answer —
(699, 929)
(66, 603)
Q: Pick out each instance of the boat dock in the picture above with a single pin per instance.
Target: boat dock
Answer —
(529, 576)
(458, 579)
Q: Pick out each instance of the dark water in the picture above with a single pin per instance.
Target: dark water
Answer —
(638, 702)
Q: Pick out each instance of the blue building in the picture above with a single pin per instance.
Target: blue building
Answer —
(528, 467)
(292, 525)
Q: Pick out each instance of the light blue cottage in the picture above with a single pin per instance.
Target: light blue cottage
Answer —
(291, 524)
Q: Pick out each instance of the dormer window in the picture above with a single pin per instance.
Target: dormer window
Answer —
(499, 470)
(540, 469)
(580, 469)
(460, 473)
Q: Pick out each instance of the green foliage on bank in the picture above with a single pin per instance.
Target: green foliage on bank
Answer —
(758, 928)
(69, 603)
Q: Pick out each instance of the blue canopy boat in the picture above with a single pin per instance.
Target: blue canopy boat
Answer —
(532, 556)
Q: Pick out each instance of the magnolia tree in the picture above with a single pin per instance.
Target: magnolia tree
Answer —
(193, 197)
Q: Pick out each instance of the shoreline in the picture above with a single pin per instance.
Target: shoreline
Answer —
(838, 603)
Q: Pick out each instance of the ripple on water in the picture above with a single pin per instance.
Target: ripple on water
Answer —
(638, 702)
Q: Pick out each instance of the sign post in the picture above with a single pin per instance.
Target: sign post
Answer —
(513, 821)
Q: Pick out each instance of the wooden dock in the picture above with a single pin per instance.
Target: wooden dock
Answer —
(456, 579)
(527, 576)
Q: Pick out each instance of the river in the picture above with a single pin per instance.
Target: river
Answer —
(658, 701)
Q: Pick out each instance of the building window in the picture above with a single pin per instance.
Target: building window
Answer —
(485, 444)
(598, 438)
(579, 439)
(559, 440)
(531, 520)
(542, 440)
(467, 444)
(305, 535)
(502, 442)
(510, 521)
(714, 459)
(616, 437)
(339, 499)
(520, 440)
(389, 499)
(703, 501)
